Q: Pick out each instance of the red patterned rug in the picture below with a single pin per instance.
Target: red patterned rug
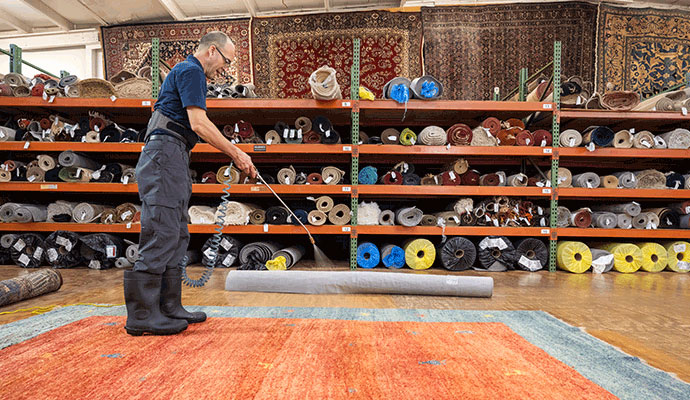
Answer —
(128, 47)
(286, 50)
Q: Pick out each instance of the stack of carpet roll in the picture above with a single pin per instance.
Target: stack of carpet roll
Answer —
(328, 175)
(68, 167)
(304, 130)
(671, 101)
(41, 85)
(645, 179)
(93, 128)
(491, 132)
(228, 91)
(578, 257)
(603, 136)
(64, 211)
(625, 216)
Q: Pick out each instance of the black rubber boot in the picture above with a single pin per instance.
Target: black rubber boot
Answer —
(171, 298)
(142, 297)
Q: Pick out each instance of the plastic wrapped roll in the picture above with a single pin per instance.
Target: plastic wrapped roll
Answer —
(678, 256)
(623, 139)
(573, 257)
(277, 215)
(71, 159)
(368, 255)
(332, 175)
(601, 136)
(497, 253)
(459, 135)
(643, 140)
(654, 257)
(387, 217)
(524, 138)
(624, 221)
(393, 256)
(287, 176)
(604, 220)
(254, 255)
(588, 180)
(517, 180)
(202, 215)
(678, 138)
(564, 216)
(62, 249)
(101, 250)
(458, 254)
(470, 178)
(565, 178)
(28, 286)
(368, 213)
(227, 174)
(390, 136)
(627, 258)
(674, 180)
(602, 261)
(339, 215)
(412, 180)
(609, 181)
(317, 218)
(392, 178)
(228, 252)
(368, 176)
(28, 250)
(542, 138)
(570, 138)
(532, 254)
(292, 255)
(433, 136)
(419, 254)
(650, 179)
(408, 216)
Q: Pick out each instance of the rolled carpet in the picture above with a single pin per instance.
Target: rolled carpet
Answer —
(517, 180)
(236, 213)
(387, 217)
(483, 137)
(620, 100)
(419, 254)
(368, 213)
(368, 176)
(458, 254)
(604, 220)
(489, 180)
(226, 255)
(368, 255)
(129, 175)
(254, 255)
(125, 212)
(624, 221)
(339, 215)
(392, 178)
(623, 140)
(588, 180)
(470, 178)
(563, 219)
(330, 137)
(448, 218)
(332, 175)
(643, 140)
(28, 250)
(227, 174)
(412, 180)
(427, 220)
(257, 217)
(493, 125)
(431, 180)
(314, 178)
(602, 261)
(542, 138)
(287, 176)
(532, 254)
(132, 253)
(35, 174)
(101, 250)
(668, 218)
(653, 220)
(75, 174)
(317, 218)
(659, 143)
(459, 135)
(433, 136)
(408, 216)
(8, 212)
(463, 206)
(202, 215)
(677, 139)
(209, 177)
(393, 256)
(277, 215)
(687, 181)
(601, 136)
(654, 257)
(507, 137)
(311, 137)
(626, 179)
(524, 138)
(650, 179)
(497, 253)
(570, 138)
(62, 249)
(272, 137)
(85, 213)
(678, 256)
(69, 158)
(60, 211)
(408, 137)
(674, 180)
(627, 258)
(581, 218)
(28, 286)
(26, 213)
(573, 257)
(390, 136)
(565, 178)
(609, 181)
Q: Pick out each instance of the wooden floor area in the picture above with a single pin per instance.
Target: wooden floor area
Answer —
(646, 315)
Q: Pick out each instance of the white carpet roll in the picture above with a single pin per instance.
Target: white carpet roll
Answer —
(368, 213)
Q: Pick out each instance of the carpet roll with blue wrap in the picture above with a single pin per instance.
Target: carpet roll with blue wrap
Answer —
(368, 176)
(393, 256)
(368, 255)
(302, 215)
(601, 136)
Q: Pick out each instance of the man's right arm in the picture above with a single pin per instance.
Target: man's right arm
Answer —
(208, 131)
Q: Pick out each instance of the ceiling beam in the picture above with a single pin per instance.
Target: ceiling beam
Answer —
(49, 13)
(17, 24)
(97, 17)
(327, 5)
(173, 9)
(251, 7)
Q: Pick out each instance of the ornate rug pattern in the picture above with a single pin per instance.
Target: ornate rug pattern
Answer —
(642, 49)
(472, 49)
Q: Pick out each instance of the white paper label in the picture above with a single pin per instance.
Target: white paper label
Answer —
(571, 142)
(64, 242)
(111, 251)
(547, 151)
(26, 145)
(543, 143)
(347, 189)
(590, 147)
(269, 141)
(546, 191)
(19, 246)
(146, 103)
(96, 175)
(345, 104)
(265, 227)
(646, 144)
(679, 247)
(52, 99)
(687, 210)
(52, 255)
(391, 138)
(24, 259)
(329, 179)
(346, 229)
(540, 184)
(209, 253)
(95, 264)
(451, 174)
(684, 110)
(225, 243)
(545, 231)
(38, 253)
(532, 265)
(347, 148)
(33, 178)
(113, 98)
(129, 225)
(287, 180)
(547, 106)
(229, 259)
(683, 265)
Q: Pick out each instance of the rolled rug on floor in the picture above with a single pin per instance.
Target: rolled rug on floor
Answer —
(542, 138)
(368, 213)
(674, 180)
(254, 255)
(86, 213)
(60, 211)
(237, 213)
(643, 140)
(287, 176)
(497, 253)
(387, 217)
(604, 220)
(433, 136)
(292, 255)
(602, 261)
(101, 250)
(532, 254)
(408, 216)
(650, 179)
(624, 221)
(419, 254)
(678, 256)
(570, 138)
(677, 139)
(28, 250)
(458, 254)
(332, 175)
(588, 180)
(390, 136)
(340, 215)
(132, 253)
(392, 256)
(225, 257)
(459, 135)
(623, 140)
(609, 181)
(601, 136)
(317, 218)
(654, 257)
(368, 176)
(62, 249)
(368, 255)
(627, 258)
(626, 179)
(71, 159)
(573, 257)
(564, 216)
(408, 137)
(565, 177)
(202, 215)
(28, 286)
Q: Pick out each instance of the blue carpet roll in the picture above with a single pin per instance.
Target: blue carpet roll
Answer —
(302, 215)
(368, 255)
(393, 256)
(368, 176)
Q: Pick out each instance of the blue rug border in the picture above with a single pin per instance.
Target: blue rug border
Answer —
(623, 375)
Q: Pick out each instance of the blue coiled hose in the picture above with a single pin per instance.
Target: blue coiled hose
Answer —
(215, 242)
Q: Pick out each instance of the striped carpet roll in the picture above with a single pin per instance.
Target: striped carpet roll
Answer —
(602, 261)
(387, 217)
(627, 258)
(86, 213)
(573, 257)
(29, 286)
(393, 256)
(532, 254)
(339, 215)
(62, 249)
(654, 257)
(28, 250)
(368, 213)
(368, 255)
(458, 254)
(678, 256)
(419, 254)
(497, 253)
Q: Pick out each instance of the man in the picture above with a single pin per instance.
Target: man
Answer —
(153, 288)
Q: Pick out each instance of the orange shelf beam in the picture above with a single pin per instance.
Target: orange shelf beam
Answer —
(457, 105)
(210, 229)
(456, 150)
(625, 233)
(623, 115)
(203, 148)
(450, 231)
(67, 102)
(276, 104)
(623, 153)
(624, 193)
(431, 191)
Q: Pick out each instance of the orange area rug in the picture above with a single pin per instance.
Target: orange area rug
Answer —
(288, 358)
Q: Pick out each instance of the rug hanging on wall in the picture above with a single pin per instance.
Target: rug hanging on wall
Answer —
(287, 50)
(128, 47)
(472, 49)
(642, 49)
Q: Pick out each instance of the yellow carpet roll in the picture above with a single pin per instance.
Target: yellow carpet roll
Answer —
(573, 257)
(627, 258)
(678, 256)
(419, 253)
(654, 257)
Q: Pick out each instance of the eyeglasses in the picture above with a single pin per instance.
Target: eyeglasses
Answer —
(227, 61)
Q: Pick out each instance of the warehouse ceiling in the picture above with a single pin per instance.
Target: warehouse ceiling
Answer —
(21, 17)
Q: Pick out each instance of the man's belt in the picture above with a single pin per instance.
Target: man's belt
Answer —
(163, 125)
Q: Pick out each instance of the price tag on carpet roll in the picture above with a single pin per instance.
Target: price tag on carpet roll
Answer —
(346, 229)
(590, 147)
(52, 255)
(113, 98)
(547, 150)
(683, 265)
(95, 264)
(679, 248)
(229, 259)
(38, 253)
(226, 244)
(209, 253)
(24, 259)
(532, 265)
(111, 251)
(64, 243)
(684, 110)
(129, 225)
(19, 245)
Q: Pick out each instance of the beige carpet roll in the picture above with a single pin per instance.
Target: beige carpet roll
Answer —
(431, 180)
(257, 217)
(482, 137)
(650, 179)
(324, 204)
(129, 175)
(643, 140)
(287, 176)
(5, 176)
(659, 143)
(565, 177)
(46, 162)
(620, 100)
(570, 138)
(303, 123)
(317, 218)
(609, 181)
(109, 216)
(35, 174)
(459, 166)
(202, 215)
(433, 136)
(324, 85)
(272, 137)
(448, 218)
(92, 137)
(517, 180)
(339, 215)
(86, 213)
(654, 220)
(60, 211)
(237, 213)
(677, 139)
(69, 158)
(623, 139)
(225, 173)
(463, 206)
(588, 180)
(332, 175)
(126, 212)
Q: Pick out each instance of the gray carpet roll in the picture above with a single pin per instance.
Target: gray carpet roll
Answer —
(677, 139)
(563, 219)
(257, 252)
(292, 255)
(132, 253)
(7, 240)
(632, 208)
(26, 213)
(624, 221)
(71, 159)
(626, 179)
(408, 216)
(8, 212)
(605, 220)
(387, 217)
(602, 261)
(640, 221)
(588, 180)
(650, 179)
(85, 213)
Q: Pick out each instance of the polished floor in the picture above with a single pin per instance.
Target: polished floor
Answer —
(646, 315)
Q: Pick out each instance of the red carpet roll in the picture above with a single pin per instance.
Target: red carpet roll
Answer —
(492, 124)
(314, 179)
(581, 218)
(450, 178)
(524, 138)
(507, 137)
(392, 178)
(470, 178)
(489, 180)
(542, 138)
(311, 137)
(459, 135)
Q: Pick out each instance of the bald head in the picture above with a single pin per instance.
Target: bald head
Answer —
(217, 38)
(215, 52)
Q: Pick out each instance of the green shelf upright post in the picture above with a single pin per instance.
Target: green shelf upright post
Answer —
(63, 73)
(524, 75)
(15, 59)
(497, 94)
(155, 67)
(354, 165)
(555, 131)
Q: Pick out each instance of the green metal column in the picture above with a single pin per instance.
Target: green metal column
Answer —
(354, 166)
(155, 67)
(524, 75)
(63, 73)
(555, 131)
(15, 59)
(497, 94)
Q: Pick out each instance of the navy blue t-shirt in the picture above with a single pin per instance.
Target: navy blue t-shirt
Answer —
(184, 86)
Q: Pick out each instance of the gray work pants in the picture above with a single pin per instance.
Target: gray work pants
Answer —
(164, 189)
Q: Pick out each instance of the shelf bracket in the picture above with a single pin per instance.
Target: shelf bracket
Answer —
(155, 67)
(555, 132)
